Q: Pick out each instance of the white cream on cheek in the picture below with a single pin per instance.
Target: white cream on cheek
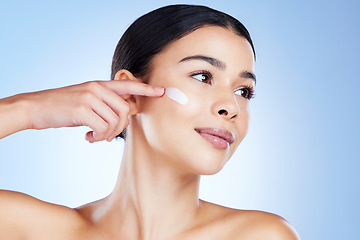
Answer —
(176, 95)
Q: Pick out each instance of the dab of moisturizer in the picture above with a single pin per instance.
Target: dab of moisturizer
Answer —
(176, 95)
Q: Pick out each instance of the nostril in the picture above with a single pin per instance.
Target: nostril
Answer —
(223, 112)
(233, 116)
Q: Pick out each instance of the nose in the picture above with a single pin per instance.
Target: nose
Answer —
(226, 107)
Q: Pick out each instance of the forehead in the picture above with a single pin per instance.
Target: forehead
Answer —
(213, 41)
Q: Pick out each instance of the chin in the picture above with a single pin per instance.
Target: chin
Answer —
(210, 165)
(209, 171)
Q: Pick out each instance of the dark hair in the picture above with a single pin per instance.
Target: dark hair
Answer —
(152, 32)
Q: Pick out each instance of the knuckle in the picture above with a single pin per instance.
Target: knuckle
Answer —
(82, 109)
(87, 96)
(102, 128)
(131, 84)
(127, 82)
(113, 120)
(126, 85)
(126, 108)
(93, 86)
(149, 90)
(123, 107)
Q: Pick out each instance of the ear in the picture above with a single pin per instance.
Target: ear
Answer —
(132, 100)
(124, 74)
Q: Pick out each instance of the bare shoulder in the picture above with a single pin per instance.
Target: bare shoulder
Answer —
(250, 224)
(25, 217)
(266, 225)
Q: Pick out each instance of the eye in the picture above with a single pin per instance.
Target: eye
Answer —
(246, 92)
(203, 76)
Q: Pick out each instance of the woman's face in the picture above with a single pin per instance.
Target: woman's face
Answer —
(214, 68)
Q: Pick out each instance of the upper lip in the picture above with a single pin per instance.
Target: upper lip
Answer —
(218, 132)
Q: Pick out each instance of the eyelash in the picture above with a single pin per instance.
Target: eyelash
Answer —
(249, 94)
(249, 90)
(204, 73)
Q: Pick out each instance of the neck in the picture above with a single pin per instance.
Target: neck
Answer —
(152, 197)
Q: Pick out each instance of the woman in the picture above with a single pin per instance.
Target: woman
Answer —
(183, 77)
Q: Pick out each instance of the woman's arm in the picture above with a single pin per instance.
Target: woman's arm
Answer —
(101, 105)
(104, 106)
(13, 117)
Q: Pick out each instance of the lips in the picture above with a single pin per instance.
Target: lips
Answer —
(218, 137)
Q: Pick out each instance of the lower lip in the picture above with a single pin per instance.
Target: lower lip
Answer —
(216, 141)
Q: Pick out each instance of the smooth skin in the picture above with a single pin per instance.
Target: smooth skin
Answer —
(156, 194)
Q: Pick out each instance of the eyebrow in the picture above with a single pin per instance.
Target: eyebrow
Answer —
(250, 75)
(213, 61)
(219, 64)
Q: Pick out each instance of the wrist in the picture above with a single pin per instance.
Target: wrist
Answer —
(17, 111)
(22, 111)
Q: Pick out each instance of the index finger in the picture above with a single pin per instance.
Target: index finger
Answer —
(124, 87)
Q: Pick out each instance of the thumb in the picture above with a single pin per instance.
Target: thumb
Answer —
(89, 136)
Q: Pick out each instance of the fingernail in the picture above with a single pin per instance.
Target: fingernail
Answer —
(159, 89)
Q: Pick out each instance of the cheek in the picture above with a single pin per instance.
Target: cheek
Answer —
(161, 116)
(242, 122)
(177, 95)
(165, 120)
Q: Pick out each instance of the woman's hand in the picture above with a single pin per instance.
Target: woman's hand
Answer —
(99, 105)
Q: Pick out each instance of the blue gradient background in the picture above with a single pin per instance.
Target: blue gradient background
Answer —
(301, 156)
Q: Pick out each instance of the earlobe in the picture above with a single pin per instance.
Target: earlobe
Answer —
(132, 100)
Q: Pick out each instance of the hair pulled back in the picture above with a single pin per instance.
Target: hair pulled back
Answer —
(152, 32)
